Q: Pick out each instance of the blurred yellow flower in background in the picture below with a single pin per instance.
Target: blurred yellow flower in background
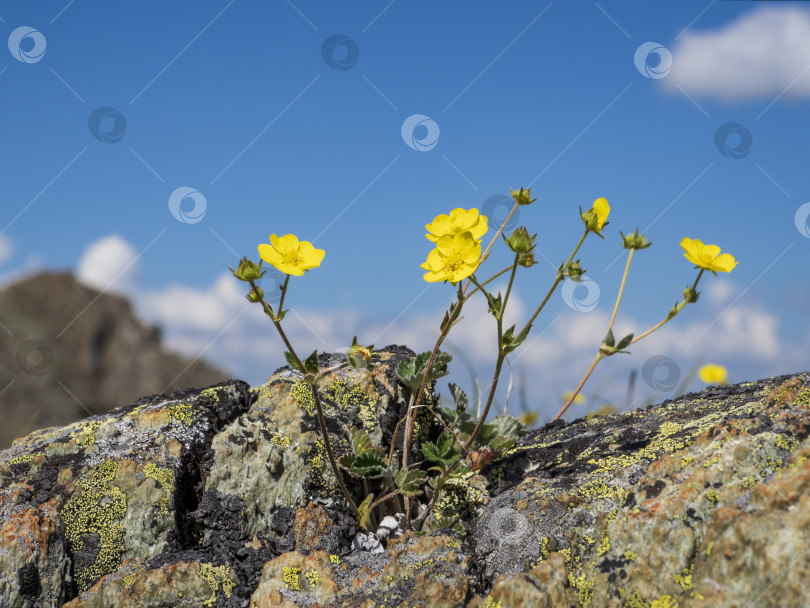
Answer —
(713, 374)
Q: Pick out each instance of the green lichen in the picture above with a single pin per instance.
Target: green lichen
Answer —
(96, 510)
(165, 478)
(215, 577)
(127, 580)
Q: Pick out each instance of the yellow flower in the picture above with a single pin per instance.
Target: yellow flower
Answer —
(602, 209)
(707, 256)
(457, 222)
(713, 374)
(579, 399)
(289, 255)
(456, 257)
(528, 418)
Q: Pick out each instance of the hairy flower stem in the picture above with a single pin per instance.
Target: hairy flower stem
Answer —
(315, 397)
(675, 310)
(599, 355)
(557, 280)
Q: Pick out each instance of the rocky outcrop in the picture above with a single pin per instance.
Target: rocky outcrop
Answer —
(68, 351)
(223, 497)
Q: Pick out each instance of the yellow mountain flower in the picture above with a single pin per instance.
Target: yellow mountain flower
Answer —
(458, 221)
(713, 374)
(290, 255)
(596, 217)
(707, 257)
(455, 257)
(579, 399)
(602, 210)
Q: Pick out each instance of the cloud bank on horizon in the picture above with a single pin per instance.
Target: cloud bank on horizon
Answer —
(218, 322)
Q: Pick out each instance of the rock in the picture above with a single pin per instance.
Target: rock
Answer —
(69, 351)
(170, 502)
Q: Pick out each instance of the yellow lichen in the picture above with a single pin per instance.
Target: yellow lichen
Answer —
(96, 510)
(302, 393)
(214, 577)
(280, 440)
(290, 576)
(665, 601)
(312, 577)
(165, 478)
(181, 413)
(685, 579)
(19, 460)
(335, 559)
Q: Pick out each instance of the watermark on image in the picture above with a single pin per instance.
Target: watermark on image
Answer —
(496, 208)
(653, 60)
(27, 44)
(107, 125)
(733, 140)
(186, 216)
(35, 357)
(661, 373)
(801, 219)
(420, 132)
(340, 52)
(581, 295)
(508, 526)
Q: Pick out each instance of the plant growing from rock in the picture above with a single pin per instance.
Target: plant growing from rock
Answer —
(404, 476)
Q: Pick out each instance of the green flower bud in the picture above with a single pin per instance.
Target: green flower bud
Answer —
(247, 270)
(635, 240)
(526, 259)
(574, 271)
(690, 295)
(520, 241)
(522, 196)
(253, 297)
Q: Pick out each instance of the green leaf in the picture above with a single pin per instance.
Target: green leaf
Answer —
(446, 522)
(412, 373)
(410, 482)
(624, 342)
(291, 360)
(364, 521)
(361, 442)
(495, 304)
(459, 397)
(443, 451)
(311, 363)
(500, 445)
(368, 465)
(347, 461)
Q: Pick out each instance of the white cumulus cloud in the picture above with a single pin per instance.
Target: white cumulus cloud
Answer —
(761, 55)
(6, 249)
(108, 264)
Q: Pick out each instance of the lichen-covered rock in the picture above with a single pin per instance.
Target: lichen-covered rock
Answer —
(224, 497)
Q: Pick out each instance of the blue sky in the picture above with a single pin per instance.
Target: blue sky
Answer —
(247, 104)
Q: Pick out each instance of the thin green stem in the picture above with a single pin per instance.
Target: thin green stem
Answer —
(283, 293)
(587, 375)
(315, 397)
(557, 281)
(678, 308)
(485, 255)
(621, 290)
